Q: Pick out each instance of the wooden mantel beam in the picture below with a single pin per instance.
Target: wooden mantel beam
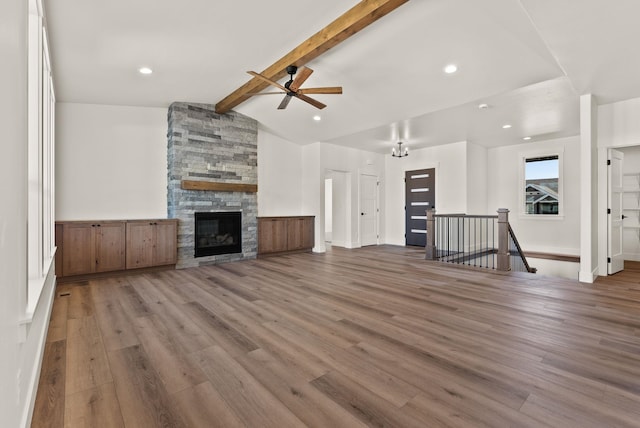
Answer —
(345, 26)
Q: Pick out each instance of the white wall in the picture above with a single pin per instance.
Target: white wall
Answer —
(340, 205)
(279, 176)
(618, 124)
(21, 349)
(451, 184)
(313, 192)
(477, 176)
(550, 235)
(111, 162)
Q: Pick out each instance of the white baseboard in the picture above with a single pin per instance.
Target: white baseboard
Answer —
(45, 305)
(588, 277)
(634, 257)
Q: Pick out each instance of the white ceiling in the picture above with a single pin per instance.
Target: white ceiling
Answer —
(528, 59)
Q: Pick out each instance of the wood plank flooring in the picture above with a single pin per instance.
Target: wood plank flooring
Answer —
(370, 337)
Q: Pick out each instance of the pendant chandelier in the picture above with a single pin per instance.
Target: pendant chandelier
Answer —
(401, 152)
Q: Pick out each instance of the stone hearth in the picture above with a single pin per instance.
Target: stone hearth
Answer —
(203, 145)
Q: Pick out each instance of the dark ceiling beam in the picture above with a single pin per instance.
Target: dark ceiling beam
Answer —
(345, 26)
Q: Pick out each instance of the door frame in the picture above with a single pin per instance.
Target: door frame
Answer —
(337, 177)
(603, 186)
(377, 213)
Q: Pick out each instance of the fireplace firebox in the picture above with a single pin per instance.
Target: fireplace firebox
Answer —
(218, 233)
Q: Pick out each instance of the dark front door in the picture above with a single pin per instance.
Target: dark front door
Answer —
(420, 195)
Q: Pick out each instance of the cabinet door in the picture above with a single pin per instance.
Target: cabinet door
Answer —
(295, 228)
(272, 235)
(140, 241)
(300, 233)
(110, 246)
(165, 243)
(78, 256)
(308, 233)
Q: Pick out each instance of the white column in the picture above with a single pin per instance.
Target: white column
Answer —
(588, 189)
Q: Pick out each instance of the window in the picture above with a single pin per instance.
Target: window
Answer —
(41, 104)
(542, 190)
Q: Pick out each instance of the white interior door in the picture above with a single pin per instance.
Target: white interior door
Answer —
(615, 238)
(368, 210)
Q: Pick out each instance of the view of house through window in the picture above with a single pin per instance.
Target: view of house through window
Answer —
(541, 185)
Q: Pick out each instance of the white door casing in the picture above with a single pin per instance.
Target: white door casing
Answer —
(614, 202)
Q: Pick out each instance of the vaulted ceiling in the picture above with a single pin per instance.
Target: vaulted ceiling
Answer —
(528, 60)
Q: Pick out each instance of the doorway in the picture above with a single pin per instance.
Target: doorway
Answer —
(328, 210)
(337, 208)
(615, 215)
(420, 195)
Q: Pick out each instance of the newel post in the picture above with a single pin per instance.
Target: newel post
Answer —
(430, 248)
(503, 240)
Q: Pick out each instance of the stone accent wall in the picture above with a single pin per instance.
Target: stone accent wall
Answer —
(203, 145)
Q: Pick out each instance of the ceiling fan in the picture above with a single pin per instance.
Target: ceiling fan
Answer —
(292, 87)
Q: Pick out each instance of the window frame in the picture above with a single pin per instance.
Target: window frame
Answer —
(522, 210)
(41, 161)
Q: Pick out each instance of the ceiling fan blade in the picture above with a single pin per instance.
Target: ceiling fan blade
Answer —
(269, 81)
(303, 74)
(327, 90)
(285, 102)
(315, 103)
(265, 93)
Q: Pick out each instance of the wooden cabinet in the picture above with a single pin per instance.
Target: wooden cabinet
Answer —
(285, 234)
(151, 243)
(272, 235)
(92, 247)
(299, 233)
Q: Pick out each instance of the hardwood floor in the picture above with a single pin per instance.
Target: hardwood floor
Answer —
(369, 337)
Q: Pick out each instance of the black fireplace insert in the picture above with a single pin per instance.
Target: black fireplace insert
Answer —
(218, 233)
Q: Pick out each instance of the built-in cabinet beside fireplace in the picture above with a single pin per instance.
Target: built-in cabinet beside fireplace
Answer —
(277, 235)
(86, 248)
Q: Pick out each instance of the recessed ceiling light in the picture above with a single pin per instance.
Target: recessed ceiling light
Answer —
(507, 126)
(526, 138)
(317, 118)
(451, 68)
(483, 106)
(145, 70)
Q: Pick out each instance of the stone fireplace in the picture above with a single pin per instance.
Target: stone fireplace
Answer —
(206, 146)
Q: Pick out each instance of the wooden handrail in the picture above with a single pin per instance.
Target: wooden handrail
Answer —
(520, 252)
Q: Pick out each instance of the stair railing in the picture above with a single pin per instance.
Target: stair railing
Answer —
(471, 240)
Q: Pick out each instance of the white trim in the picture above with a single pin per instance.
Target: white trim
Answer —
(588, 277)
(47, 299)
